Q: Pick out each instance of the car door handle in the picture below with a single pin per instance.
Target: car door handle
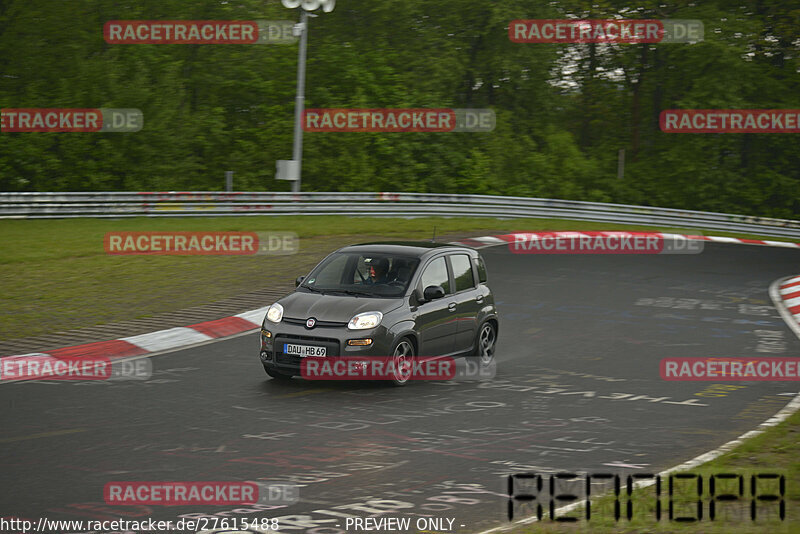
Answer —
(451, 306)
(479, 299)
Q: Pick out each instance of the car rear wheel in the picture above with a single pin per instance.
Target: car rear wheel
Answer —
(276, 374)
(403, 357)
(485, 343)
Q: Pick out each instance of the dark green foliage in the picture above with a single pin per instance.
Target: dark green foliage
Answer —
(211, 108)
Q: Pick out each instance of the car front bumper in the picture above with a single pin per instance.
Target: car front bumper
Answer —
(273, 337)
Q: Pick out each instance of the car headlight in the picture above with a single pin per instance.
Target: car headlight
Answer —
(275, 313)
(362, 321)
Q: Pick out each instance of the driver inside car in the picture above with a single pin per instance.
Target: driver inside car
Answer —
(378, 272)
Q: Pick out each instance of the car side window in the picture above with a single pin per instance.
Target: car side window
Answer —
(482, 277)
(462, 272)
(436, 275)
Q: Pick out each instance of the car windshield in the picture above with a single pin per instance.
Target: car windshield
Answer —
(362, 274)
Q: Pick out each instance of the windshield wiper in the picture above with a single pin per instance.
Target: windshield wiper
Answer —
(314, 289)
(351, 292)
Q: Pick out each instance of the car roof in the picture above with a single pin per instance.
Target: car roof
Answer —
(406, 248)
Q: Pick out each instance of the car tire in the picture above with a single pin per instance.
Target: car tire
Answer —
(485, 343)
(276, 374)
(403, 356)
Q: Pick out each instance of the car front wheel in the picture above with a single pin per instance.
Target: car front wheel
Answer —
(403, 357)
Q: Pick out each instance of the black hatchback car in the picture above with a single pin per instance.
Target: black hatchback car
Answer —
(391, 300)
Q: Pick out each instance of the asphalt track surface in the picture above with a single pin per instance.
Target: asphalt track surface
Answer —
(577, 389)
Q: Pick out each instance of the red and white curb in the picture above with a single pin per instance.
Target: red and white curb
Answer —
(503, 239)
(790, 293)
(785, 294)
(163, 340)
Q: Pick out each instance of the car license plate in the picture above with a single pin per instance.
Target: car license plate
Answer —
(304, 350)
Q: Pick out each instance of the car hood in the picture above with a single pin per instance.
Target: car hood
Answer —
(339, 308)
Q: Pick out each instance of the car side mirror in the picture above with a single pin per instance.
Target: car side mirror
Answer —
(433, 293)
(299, 280)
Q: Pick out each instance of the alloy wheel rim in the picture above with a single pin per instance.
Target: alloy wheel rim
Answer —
(486, 343)
(402, 356)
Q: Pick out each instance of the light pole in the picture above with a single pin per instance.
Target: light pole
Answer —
(299, 101)
(291, 170)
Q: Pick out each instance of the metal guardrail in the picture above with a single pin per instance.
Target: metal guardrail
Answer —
(204, 204)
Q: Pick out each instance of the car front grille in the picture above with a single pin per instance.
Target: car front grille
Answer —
(319, 324)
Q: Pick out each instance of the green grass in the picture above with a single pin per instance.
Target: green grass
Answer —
(56, 275)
